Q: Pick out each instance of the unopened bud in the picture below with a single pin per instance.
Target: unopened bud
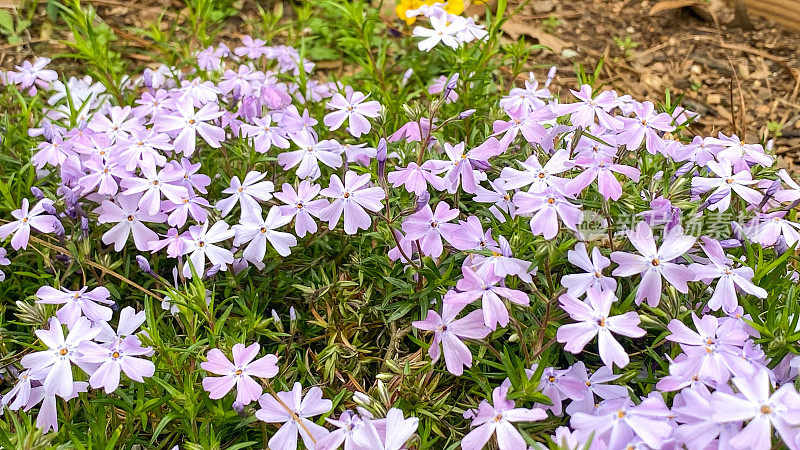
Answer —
(464, 114)
(423, 200)
(37, 192)
(144, 264)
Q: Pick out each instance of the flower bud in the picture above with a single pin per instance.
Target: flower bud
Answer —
(381, 156)
(464, 114)
(781, 246)
(407, 76)
(144, 265)
(37, 192)
(423, 200)
(49, 209)
(238, 407)
(479, 164)
(212, 270)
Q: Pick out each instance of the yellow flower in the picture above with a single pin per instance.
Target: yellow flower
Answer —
(454, 7)
(404, 6)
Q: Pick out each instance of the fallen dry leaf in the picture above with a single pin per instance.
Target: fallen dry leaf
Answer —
(666, 5)
(520, 26)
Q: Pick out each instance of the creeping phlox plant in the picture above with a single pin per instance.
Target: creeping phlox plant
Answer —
(479, 229)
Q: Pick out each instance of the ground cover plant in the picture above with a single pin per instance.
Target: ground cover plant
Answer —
(238, 249)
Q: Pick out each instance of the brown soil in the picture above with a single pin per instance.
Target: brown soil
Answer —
(721, 69)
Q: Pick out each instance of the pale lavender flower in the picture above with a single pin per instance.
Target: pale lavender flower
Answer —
(594, 385)
(416, 179)
(202, 246)
(725, 182)
(188, 123)
(119, 123)
(730, 278)
(351, 198)
(265, 134)
(351, 431)
(302, 206)
(558, 385)
(449, 332)
(54, 152)
(653, 263)
(470, 235)
(475, 286)
(500, 197)
(578, 283)
(607, 184)
(780, 410)
(593, 320)
(354, 109)
(248, 193)
(390, 433)
(430, 227)
(240, 373)
(537, 176)
(644, 128)
(741, 154)
(153, 186)
(32, 75)
(583, 112)
(617, 421)
(309, 156)
(546, 208)
(90, 304)
(251, 48)
(273, 411)
(498, 419)
(258, 231)
(120, 355)
(129, 219)
(35, 218)
(60, 355)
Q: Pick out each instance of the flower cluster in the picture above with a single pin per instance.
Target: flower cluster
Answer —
(495, 217)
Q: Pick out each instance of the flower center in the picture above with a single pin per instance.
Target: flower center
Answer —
(655, 262)
(263, 230)
(191, 121)
(601, 321)
(201, 244)
(115, 355)
(130, 218)
(434, 224)
(541, 174)
(63, 352)
(551, 200)
(551, 379)
(621, 413)
(239, 372)
(346, 194)
(766, 410)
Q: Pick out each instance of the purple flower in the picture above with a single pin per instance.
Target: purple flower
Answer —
(301, 206)
(712, 352)
(578, 283)
(721, 267)
(30, 76)
(582, 113)
(310, 154)
(594, 385)
(265, 135)
(644, 128)
(129, 220)
(258, 231)
(693, 410)
(351, 431)
(450, 331)
(594, 320)
(767, 229)
(653, 263)
(239, 373)
(26, 219)
(390, 433)
(118, 125)
(352, 198)
(617, 421)
(77, 302)
(354, 109)
(202, 246)
(272, 411)
(500, 197)
(102, 176)
(546, 208)
(430, 227)
(459, 170)
(534, 174)
(60, 355)
(470, 235)
(502, 262)
(607, 184)
(474, 286)
(54, 153)
(153, 186)
(248, 193)
(118, 356)
(498, 419)
(780, 410)
(142, 149)
(724, 183)
(415, 179)
(557, 385)
(251, 48)
(739, 153)
(188, 123)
